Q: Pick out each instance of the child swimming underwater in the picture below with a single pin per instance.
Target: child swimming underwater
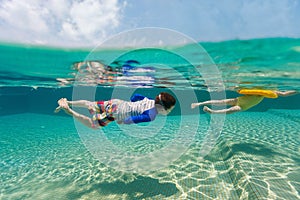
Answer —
(241, 103)
(139, 109)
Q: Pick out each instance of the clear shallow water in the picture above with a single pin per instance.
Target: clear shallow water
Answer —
(256, 156)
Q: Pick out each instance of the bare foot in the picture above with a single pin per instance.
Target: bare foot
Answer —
(63, 104)
(57, 109)
(206, 109)
(286, 93)
(194, 105)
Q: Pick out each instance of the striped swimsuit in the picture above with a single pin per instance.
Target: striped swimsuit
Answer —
(139, 109)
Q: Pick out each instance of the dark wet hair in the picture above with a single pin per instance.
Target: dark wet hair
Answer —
(166, 100)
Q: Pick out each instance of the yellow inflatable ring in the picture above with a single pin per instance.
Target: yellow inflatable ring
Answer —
(264, 93)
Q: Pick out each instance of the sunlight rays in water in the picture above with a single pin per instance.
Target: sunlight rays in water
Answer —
(256, 157)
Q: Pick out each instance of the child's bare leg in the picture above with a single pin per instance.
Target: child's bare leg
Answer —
(231, 102)
(286, 93)
(81, 118)
(81, 103)
(63, 104)
(230, 110)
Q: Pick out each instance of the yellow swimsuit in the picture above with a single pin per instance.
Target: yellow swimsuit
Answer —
(248, 101)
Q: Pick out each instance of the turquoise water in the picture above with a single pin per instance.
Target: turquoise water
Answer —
(267, 63)
(45, 155)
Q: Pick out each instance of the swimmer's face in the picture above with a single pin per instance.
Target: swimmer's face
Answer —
(161, 110)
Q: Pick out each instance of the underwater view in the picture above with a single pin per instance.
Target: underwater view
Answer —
(188, 154)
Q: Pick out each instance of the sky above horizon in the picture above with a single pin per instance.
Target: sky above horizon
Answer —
(89, 22)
